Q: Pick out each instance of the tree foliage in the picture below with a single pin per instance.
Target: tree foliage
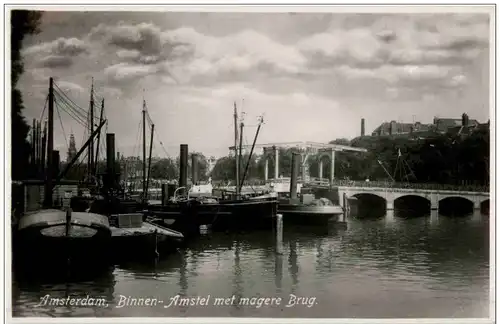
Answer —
(439, 159)
(22, 23)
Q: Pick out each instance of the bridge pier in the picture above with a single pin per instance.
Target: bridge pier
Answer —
(332, 168)
(477, 204)
(434, 199)
(266, 169)
(321, 169)
(389, 204)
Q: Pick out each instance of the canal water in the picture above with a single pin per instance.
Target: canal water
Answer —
(384, 268)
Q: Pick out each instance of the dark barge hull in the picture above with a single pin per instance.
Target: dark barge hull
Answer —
(310, 215)
(41, 241)
(147, 242)
(241, 215)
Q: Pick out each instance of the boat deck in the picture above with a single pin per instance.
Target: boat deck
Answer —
(146, 228)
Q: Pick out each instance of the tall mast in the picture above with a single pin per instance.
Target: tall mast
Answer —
(144, 150)
(261, 120)
(91, 146)
(240, 156)
(98, 137)
(50, 146)
(237, 158)
(150, 155)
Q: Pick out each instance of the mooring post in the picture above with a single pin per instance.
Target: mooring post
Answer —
(279, 233)
(183, 164)
(346, 207)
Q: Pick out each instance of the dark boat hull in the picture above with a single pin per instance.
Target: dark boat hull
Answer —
(148, 241)
(310, 215)
(45, 238)
(33, 249)
(187, 217)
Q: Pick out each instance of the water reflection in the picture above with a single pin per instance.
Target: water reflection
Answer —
(37, 296)
(237, 275)
(430, 266)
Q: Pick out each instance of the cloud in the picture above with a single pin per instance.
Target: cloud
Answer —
(185, 53)
(61, 46)
(123, 73)
(401, 39)
(69, 86)
(58, 53)
(55, 61)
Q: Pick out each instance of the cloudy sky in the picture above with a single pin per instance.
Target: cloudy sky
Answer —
(312, 75)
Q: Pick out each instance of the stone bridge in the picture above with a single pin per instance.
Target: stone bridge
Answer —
(434, 194)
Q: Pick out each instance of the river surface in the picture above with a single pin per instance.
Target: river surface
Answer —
(386, 268)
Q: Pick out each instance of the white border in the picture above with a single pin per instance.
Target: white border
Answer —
(248, 6)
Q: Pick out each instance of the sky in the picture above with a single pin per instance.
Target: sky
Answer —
(312, 76)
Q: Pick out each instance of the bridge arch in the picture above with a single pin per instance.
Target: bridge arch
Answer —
(485, 206)
(412, 205)
(370, 205)
(456, 205)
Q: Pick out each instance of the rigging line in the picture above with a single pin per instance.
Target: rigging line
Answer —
(137, 144)
(161, 143)
(70, 114)
(62, 127)
(44, 107)
(58, 89)
(65, 101)
(77, 109)
(63, 94)
(70, 111)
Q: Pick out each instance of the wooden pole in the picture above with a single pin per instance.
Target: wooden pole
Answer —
(33, 145)
(44, 148)
(295, 173)
(237, 158)
(149, 164)
(240, 157)
(50, 147)
(143, 151)
(98, 138)
(91, 125)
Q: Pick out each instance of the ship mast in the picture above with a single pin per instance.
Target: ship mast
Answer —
(237, 158)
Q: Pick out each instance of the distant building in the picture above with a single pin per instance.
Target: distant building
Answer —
(71, 149)
(395, 128)
(440, 125)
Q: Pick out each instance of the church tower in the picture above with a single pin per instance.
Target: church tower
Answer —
(72, 148)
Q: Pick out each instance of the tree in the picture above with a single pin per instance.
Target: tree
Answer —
(22, 23)
(164, 169)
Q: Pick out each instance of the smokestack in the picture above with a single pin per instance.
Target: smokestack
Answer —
(194, 169)
(362, 127)
(183, 163)
(465, 120)
(110, 156)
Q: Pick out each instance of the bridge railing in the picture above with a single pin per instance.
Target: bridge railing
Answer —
(407, 185)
